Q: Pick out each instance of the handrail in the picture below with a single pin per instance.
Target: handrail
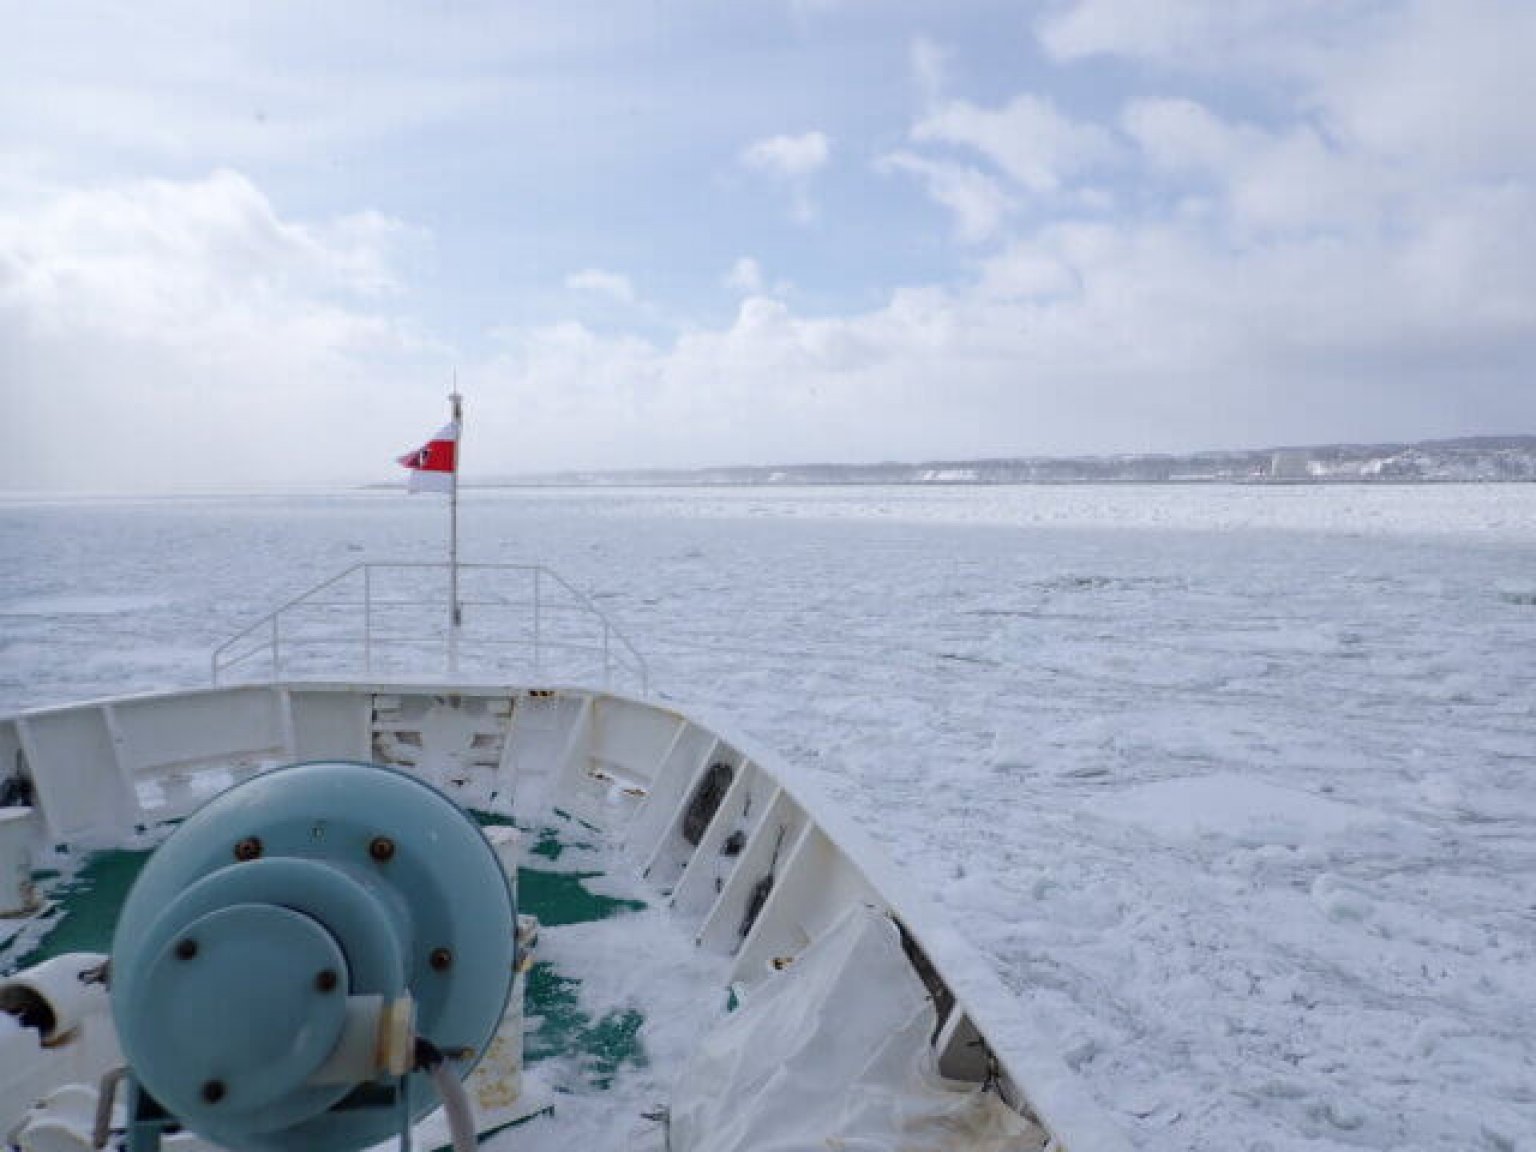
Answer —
(561, 620)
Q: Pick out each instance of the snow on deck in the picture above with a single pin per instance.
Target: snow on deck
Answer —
(1235, 787)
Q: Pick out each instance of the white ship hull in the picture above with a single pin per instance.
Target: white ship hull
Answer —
(786, 900)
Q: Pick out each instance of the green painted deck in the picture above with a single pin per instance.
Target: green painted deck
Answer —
(82, 909)
(560, 1029)
(82, 915)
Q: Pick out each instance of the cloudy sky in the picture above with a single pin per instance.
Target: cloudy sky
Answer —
(248, 244)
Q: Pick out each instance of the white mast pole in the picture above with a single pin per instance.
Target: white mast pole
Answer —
(455, 615)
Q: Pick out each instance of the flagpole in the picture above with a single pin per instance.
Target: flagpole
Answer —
(455, 615)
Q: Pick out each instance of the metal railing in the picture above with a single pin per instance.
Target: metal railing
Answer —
(392, 620)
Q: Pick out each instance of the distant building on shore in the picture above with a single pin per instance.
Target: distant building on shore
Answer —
(1290, 464)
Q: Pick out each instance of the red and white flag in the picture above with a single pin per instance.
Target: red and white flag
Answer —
(433, 465)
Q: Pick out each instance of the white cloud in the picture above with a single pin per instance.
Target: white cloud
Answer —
(1308, 277)
(788, 157)
(1027, 269)
(978, 202)
(144, 257)
(792, 160)
(1336, 239)
(1193, 35)
(177, 333)
(1128, 27)
(745, 276)
(1299, 181)
(1133, 335)
(1028, 139)
(204, 298)
(1442, 87)
(594, 281)
(99, 85)
(930, 62)
(1447, 87)
(1181, 136)
(1293, 179)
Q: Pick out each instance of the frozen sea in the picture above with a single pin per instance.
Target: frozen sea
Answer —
(1236, 787)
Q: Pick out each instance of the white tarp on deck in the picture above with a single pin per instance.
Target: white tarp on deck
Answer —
(834, 1052)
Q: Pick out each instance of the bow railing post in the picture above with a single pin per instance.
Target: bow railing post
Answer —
(538, 610)
(368, 619)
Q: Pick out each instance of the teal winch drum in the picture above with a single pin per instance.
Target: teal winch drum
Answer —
(293, 956)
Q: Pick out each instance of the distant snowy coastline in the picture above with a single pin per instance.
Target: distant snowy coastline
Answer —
(1482, 459)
